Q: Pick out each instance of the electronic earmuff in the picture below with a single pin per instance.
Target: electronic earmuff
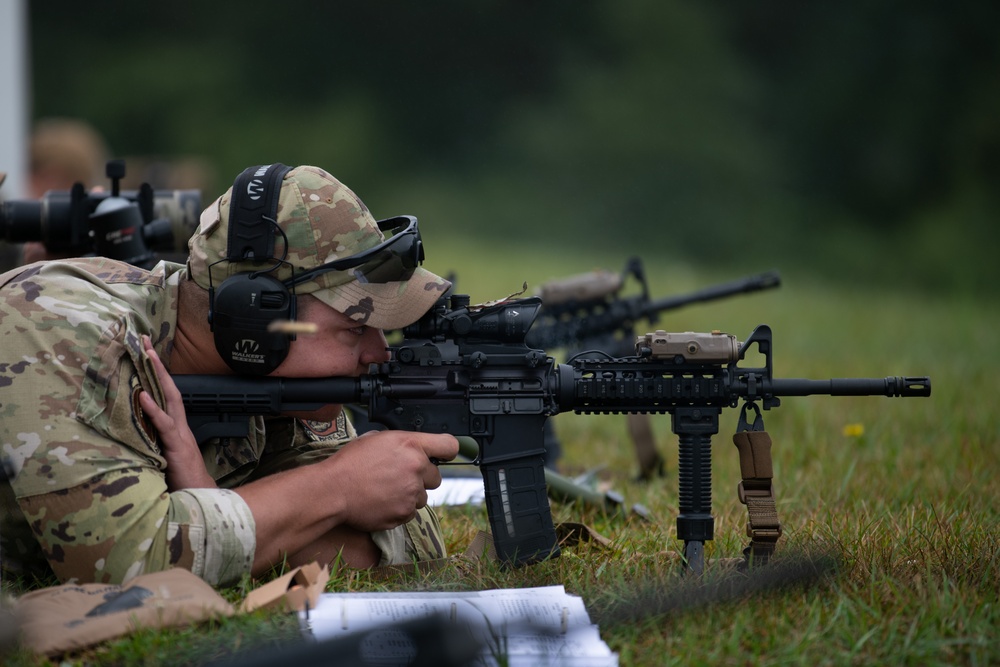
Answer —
(241, 309)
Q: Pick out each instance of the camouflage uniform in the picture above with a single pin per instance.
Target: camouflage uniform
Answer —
(89, 495)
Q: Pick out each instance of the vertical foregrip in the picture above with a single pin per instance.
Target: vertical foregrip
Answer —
(518, 508)
(695, 522)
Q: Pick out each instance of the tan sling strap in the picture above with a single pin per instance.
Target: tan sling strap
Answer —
(755, 491)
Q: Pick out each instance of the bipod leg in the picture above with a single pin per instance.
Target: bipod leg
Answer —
(695, 524)
(694, 557)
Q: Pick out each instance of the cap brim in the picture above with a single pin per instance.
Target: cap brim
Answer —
(386, 305)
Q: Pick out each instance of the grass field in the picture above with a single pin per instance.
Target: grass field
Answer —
(890, 507)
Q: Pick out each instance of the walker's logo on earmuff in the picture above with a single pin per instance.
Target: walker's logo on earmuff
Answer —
(255, 188)
(247, 351)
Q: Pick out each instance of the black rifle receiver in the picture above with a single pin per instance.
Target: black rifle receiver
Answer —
(466, 371)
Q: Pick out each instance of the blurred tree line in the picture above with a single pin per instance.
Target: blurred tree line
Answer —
(860, 139)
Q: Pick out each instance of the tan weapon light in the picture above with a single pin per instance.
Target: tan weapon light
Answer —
(711, 347)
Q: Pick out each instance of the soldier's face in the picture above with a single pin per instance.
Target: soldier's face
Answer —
(340, 347)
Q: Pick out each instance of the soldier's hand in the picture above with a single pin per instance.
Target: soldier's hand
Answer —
(382, 477)
(185, 466)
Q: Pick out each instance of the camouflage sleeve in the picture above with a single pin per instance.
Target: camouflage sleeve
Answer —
(229, 536)
(117, 526)
(88, 473)
(93, 491)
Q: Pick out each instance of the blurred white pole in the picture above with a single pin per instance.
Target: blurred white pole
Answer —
(14, 102)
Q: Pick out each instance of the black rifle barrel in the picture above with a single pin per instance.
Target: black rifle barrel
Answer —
(890, 386)
(754, 283)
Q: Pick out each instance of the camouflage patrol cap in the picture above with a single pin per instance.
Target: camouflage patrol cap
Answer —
(322, 220)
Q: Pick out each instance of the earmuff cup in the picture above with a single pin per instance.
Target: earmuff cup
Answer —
(243, 307)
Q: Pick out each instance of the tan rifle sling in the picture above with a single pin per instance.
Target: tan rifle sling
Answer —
(756, 491)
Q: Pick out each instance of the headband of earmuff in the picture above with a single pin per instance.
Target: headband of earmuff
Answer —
(243, 307)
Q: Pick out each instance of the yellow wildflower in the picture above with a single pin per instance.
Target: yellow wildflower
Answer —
(854, 430)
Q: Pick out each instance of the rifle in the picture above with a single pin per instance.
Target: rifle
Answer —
(466, 370)
(588, 311)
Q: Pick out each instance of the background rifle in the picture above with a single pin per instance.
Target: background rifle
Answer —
(467, 371)
(589, 312)
(590, 308)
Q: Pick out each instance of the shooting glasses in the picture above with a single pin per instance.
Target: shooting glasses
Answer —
(394, 259)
